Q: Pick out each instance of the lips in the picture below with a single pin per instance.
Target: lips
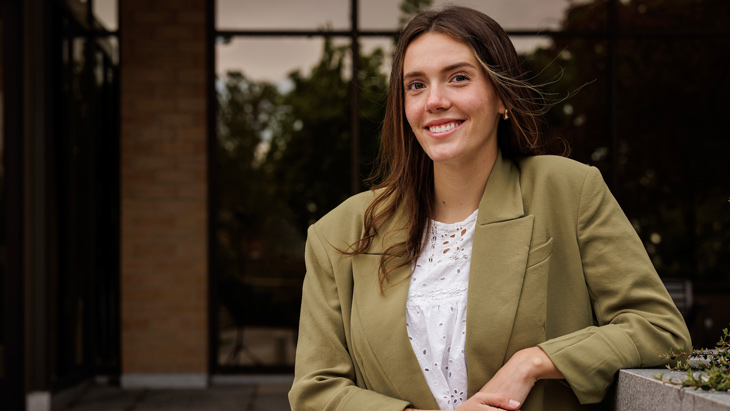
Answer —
(444, 127)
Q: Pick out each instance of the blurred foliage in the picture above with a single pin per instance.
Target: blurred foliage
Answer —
(283, 161)
(310, 158)
(410, 8)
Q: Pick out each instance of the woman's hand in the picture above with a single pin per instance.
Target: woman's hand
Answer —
(483, 401)
(509, 387)
(517, 377)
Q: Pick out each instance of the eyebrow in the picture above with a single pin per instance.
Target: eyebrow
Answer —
(445, 69)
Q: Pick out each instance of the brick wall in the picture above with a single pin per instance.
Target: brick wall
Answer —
(164, 182)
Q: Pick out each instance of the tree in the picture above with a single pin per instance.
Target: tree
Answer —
(410, 8)
(282, 163)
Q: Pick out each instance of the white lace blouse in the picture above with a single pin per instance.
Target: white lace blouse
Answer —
(436, 309)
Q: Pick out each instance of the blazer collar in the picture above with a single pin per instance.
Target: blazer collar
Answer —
(502, 198)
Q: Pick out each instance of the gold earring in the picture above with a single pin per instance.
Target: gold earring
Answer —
(506, 114)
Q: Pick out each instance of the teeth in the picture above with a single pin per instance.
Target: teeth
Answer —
(443, 127)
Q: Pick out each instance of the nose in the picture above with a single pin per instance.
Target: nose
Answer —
(437, 99)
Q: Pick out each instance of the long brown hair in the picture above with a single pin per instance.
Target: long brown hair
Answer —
(404, 170)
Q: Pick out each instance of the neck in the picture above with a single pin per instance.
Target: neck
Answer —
(459, 189)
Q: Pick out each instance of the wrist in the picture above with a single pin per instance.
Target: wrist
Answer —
(529, 365)
(537, 364)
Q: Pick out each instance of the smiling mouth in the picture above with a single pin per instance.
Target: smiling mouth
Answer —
(443, 128)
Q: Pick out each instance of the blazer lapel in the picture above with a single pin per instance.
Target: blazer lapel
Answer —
(383, 317)
(499, 258)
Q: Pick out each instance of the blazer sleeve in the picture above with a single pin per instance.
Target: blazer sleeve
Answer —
(636, 319)
(324, 376)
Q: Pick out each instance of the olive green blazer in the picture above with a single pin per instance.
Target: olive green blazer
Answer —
(555, 263)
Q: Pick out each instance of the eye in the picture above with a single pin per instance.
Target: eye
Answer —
(415, 85)
(460, 78)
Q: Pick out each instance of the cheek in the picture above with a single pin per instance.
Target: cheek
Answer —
(484, 110)
(412, 115)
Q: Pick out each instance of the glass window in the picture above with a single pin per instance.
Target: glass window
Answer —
(283, 141)
(105, 12)
(510, 14)
(572, 73)
(282, 15)
(674, 16)
(660, 92)
(369, 46)
(528, 44)
(274, 57)
(673, 152)
(86, 197)
(379, 14)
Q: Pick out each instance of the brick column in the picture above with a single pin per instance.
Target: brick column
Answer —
(164, 267)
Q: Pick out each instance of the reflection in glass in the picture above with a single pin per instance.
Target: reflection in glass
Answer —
(573, 75)
(281, 15)
(271, 139)
(282, 161)
(379, 14)
(105, 12)
(672, 96)
(268, 59)
(528, 44)
(510, 14)
(675, 16)
(370, 44)
(86, 172)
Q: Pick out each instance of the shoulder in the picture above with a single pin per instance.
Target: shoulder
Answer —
(346, 220)
(550, 164)
(558, 179)
(553, 171)
(352, 208)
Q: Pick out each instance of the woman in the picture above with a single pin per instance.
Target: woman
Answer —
(478, 275)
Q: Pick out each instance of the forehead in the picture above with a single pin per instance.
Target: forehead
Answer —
(432, 49)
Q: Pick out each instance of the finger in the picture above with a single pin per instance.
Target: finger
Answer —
(497, 400)
(499, 409)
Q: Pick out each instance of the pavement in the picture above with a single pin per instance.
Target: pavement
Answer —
(261, 346)
(244, 395)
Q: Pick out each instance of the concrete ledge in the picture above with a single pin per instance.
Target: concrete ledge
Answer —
(155, 381)
(38, 401)
(60, 400)
(638, 390)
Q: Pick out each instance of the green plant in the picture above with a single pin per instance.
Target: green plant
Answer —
(706, 369)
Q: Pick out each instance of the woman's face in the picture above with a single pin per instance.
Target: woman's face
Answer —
(449, 102)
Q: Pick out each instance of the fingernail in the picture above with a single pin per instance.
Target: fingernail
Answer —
(514, 404)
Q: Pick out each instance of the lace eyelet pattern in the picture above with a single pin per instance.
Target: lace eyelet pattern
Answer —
(436, 309)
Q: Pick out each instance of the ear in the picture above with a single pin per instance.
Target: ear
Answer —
(501, 108)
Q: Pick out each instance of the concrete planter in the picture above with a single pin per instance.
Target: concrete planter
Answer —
(638, 390)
